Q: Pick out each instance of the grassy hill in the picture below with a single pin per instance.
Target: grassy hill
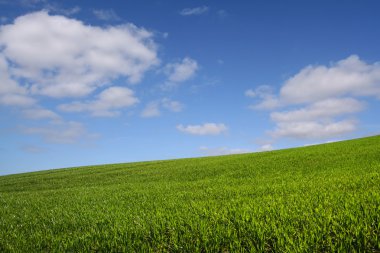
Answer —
(323, 198)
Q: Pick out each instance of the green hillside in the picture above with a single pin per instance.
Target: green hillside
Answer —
(323, 198)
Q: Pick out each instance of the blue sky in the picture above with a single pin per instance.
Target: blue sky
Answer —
(96, 82)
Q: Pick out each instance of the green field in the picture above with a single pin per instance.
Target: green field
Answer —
(323, 198)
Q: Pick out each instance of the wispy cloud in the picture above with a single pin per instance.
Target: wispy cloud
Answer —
(222, 13)
(106, 15)
(153, 109)
(51, 6)
(40, 113)
(31, 3)
(3, 19)
(32, 149)
(194, 11)
(265, 93)
(204, 129)
(64, 132)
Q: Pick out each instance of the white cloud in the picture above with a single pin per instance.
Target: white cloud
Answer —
(321, 110)
(171, 105)
(40, 113)
(16, 100)
(106, 15)
(205, 129)
(318, 120)
(323, 99)
(268, 103)
(194, 11)
(181, 71)
(107, 104)
(10, 92)
(250, 93)
(62, 57)
(313, 129)
(348, 77)
(153, 109)
(266, 94)
(64, 132)
(266, 147)
(222, 151)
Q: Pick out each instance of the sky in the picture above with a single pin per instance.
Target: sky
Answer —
(98, 82)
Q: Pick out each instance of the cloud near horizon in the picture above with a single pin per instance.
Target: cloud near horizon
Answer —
(223, 151)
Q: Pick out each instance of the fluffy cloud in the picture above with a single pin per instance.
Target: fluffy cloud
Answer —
(205, 129)
(323, 99)
(107, 104)
(63, 132)
(223, 151)
(181, 71)
(61, 57)
(348, 77)
(318, 120)
(153, 109)
(16, 100)
(194, 11)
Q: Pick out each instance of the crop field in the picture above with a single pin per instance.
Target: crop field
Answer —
(323, 198)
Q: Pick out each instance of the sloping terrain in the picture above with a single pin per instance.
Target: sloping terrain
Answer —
(323, 198)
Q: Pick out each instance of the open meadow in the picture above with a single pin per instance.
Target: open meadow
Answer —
(323, 198)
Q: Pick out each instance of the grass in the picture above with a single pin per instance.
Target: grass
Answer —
(323, 198)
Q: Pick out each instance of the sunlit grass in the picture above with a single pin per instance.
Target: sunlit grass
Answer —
(323, 198)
